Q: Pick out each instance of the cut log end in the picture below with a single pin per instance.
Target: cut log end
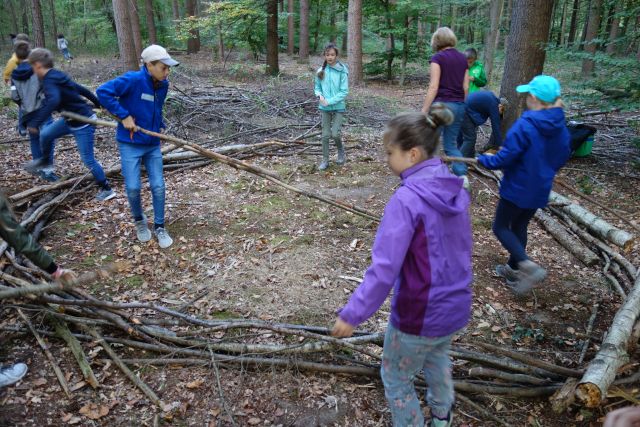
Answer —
(589, 394)
(563, 398)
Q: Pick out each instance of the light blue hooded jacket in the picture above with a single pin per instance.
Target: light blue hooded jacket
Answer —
(334, 87)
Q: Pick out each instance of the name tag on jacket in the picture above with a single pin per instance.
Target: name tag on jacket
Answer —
(147, 97)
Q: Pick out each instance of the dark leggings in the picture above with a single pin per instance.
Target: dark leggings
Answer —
(510, 227)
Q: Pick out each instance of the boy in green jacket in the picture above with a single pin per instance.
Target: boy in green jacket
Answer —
(477, 77)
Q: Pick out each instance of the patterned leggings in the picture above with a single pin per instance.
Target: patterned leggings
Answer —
(403, 357)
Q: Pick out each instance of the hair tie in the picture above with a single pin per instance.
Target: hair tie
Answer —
(430, 121)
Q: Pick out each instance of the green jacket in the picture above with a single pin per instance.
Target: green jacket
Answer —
(334, 87)
(18, 238)
(480, 78)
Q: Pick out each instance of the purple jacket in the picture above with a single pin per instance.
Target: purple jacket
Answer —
(422, 250)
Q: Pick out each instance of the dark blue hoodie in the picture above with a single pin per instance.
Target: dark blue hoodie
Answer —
(536, 147)
(62, 93)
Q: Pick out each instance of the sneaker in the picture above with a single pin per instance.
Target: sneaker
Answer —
(530, 275)
(105, 194)
(465, 183)
(342, 158)
(34, 166)
(48, 175)
(142, 230)
(12, 374)
(323, 166)
(436, 422)
(506, 272)
(164, 240)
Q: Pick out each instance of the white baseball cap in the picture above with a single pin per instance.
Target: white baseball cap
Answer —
(158, 53)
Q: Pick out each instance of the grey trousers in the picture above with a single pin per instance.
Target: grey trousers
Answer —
(331, 128)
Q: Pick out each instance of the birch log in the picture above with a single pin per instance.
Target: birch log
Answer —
(573, 245)
(597, 225)
(602, 370)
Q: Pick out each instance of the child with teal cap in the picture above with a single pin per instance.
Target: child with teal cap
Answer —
(536, 147)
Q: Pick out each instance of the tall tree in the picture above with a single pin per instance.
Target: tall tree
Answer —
(613, 32)
(591, 44)
(176, 10)
(134, 18)
(354, 45)
(272, 38)
(291, 28)
(38, 24)
(151, 24)
(14, 17)
(345, 34)
(25, 16)
(563, 25)
(193, 43)
(495, 13)
(530, 22)
(126, 45)
(54, 24)
(303, 49)
(574, 22)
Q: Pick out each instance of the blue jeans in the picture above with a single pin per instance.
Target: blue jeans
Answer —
(450, 136)
(467, 137)
(510, 227)
(132, 157)
(36, 148)
(403, 357)
(22, 131)
(66, 54)
(84, 142)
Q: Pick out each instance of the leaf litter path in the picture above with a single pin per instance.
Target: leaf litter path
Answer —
(245, 248)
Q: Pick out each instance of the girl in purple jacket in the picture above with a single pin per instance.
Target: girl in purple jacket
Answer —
(423, 251)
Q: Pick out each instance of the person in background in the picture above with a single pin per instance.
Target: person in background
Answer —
(26, 91)
(331, 88)
(136, 99)
(423, 251)
(449, 84)
(481, 105)
(13, 38)
(536, 147)
(13, 62)
(477, 76)
(63, 47)
(18, 238)
(62, 93)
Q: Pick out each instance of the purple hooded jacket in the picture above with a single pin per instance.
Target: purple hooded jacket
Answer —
(422, 250)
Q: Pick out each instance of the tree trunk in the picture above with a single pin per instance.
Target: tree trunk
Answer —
(530, 21)
(151, 25)
(221, 42)
(355, 42)
(303, 47)
(563, 23)
(590, 47)
(128, 56)
(14, 17)
(345, 34)
(332, 23)
(613, 32)
(176, 10)
(272, 38)
(391, 41)
(583, 35)
(193, 43)
(574, 22)
(134, 17)
(291, 28)
(25, 17)
(405, 50)
(316, 32)
(507, 24)
(420, 35)
(38, 24)
(454, 16)
(495, 14)
(54, 24)
(602, 370)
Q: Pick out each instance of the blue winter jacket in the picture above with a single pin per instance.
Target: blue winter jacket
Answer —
(536, 147)
(135, 94)
(483, 105)
(62, 93)
(334, 86)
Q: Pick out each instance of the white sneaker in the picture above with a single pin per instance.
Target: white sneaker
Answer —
(164, 240)
(12, 374)
(465, 183)
(142, 230)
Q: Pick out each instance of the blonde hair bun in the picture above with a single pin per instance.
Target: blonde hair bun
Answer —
(440, 114)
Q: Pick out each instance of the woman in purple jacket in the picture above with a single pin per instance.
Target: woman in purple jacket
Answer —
(449, 84)
(423, 251)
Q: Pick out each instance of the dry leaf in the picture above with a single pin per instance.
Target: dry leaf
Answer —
(254, 421)
(195, 384)
(39, 382)
(93, 411)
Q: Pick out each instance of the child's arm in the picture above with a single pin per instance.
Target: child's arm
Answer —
(87, 94)
(466, 83)
(434, 85)
(343, 90)
(387, 256)
(109, 93)
(515, 144)
(317, 90)
(15, 95)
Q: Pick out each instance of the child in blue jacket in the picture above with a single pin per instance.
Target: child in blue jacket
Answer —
(331, 88)
(536, 147)
(136, 98)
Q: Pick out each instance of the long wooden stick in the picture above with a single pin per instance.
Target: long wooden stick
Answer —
(47, 353)
(237, 164)
(62, 330)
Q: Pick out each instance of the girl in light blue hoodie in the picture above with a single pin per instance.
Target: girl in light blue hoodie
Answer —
(331, 88)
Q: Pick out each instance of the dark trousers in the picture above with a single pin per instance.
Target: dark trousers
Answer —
(510, 227)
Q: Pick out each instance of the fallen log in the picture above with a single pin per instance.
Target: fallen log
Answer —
(573, 245)
(601, 372)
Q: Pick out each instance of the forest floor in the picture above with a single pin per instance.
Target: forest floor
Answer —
(249, 249)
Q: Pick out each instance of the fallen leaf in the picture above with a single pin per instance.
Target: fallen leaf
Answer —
(195, 384)
(254, 421)
(93, 411)
(39, 382)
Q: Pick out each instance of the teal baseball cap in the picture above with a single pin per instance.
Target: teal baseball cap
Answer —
(545, 88)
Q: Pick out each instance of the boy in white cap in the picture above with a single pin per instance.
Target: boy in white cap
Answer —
(136, 98)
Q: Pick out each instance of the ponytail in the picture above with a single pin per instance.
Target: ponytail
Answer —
(321, 72)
